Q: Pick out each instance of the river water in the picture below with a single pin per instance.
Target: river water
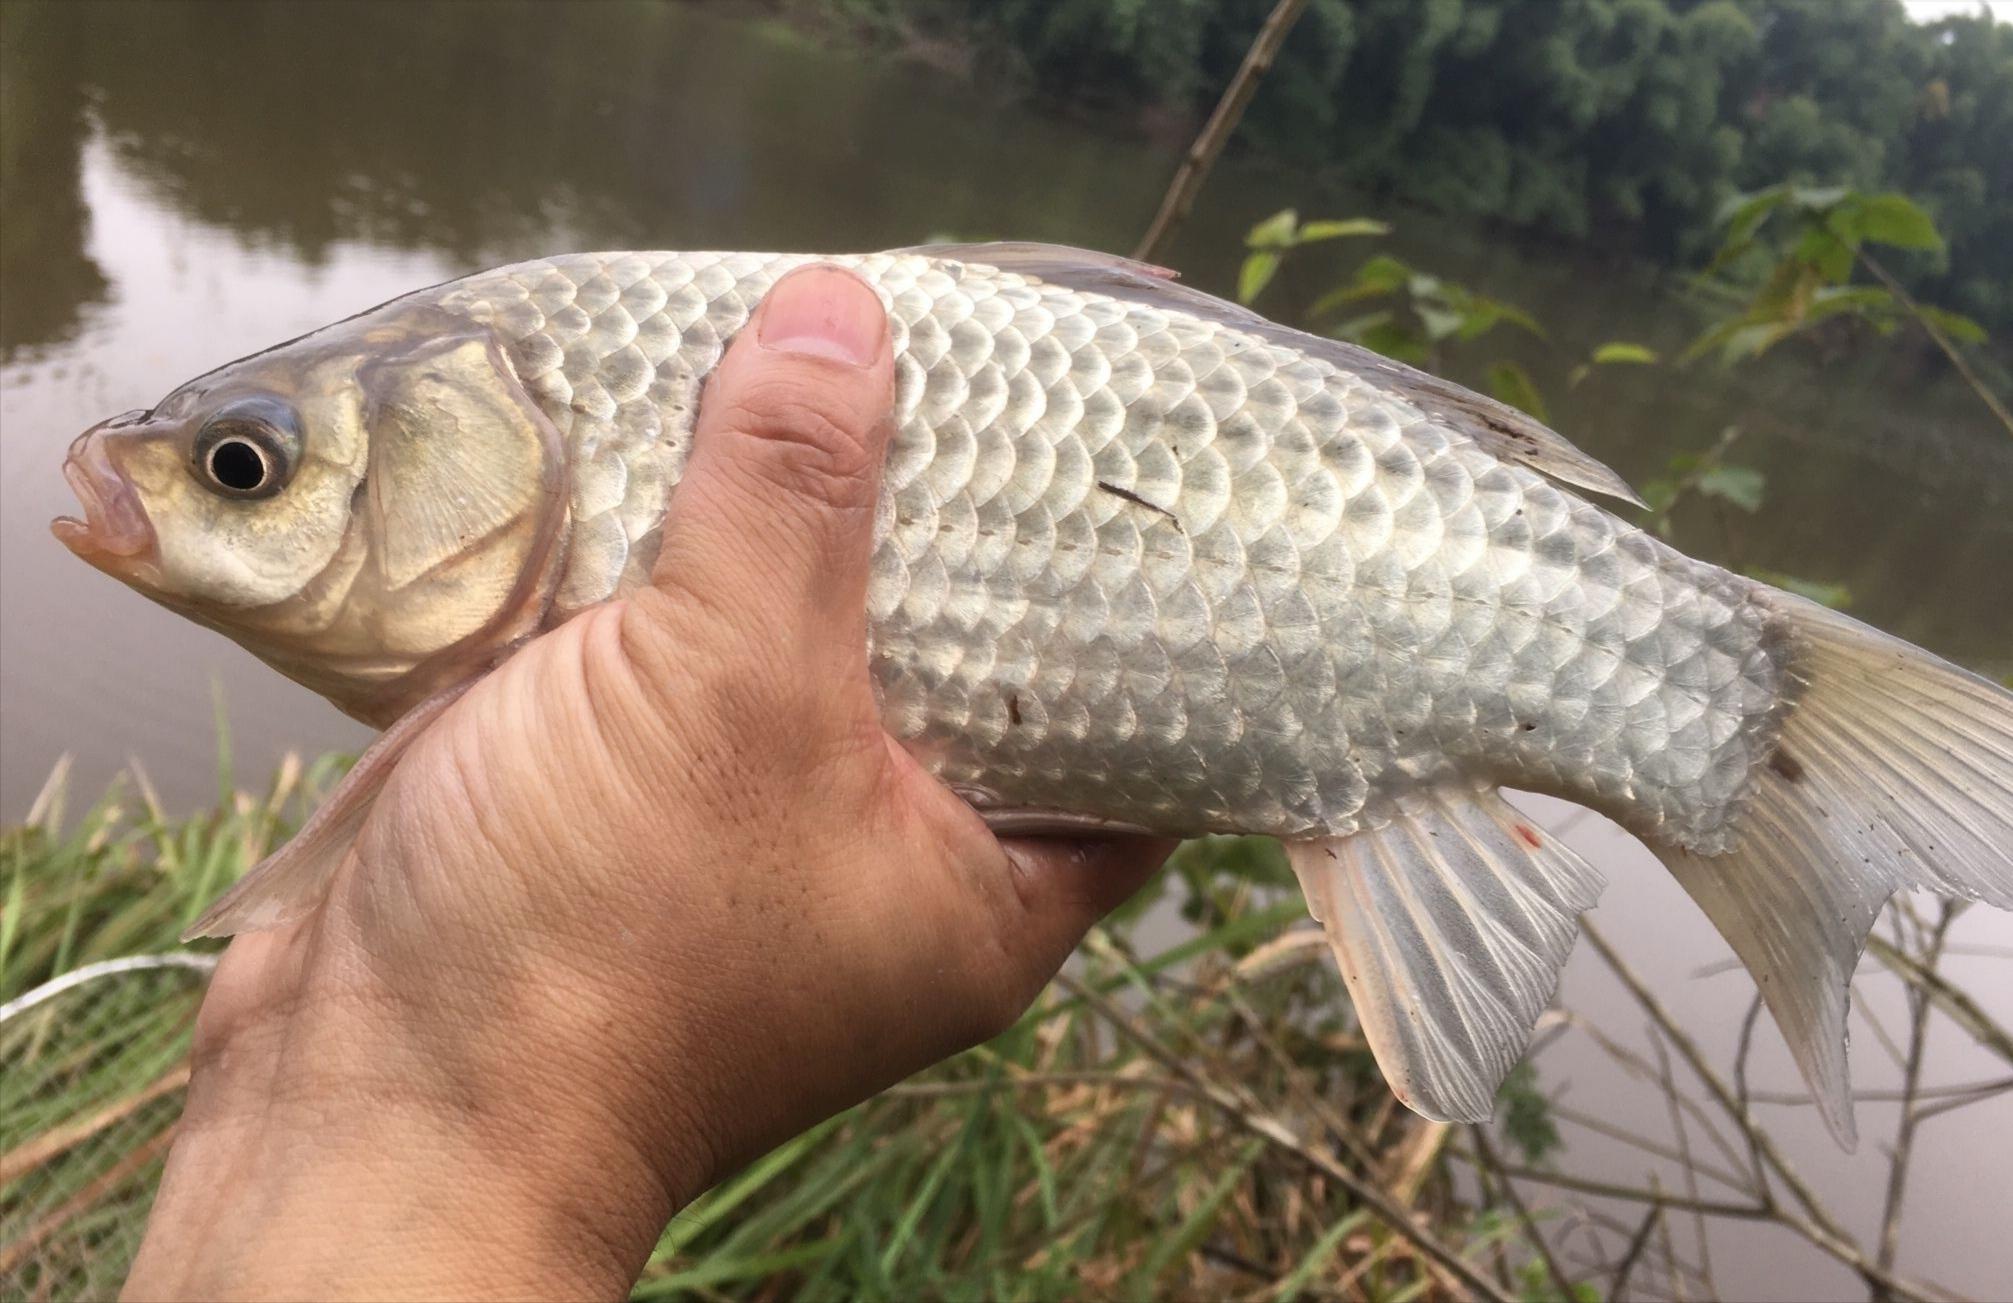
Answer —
(184, 184)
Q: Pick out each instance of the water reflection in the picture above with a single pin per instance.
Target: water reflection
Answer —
(48, 276)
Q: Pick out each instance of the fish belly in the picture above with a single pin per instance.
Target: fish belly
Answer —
(1139, 565)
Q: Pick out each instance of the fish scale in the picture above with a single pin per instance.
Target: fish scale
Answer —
(1146, 566)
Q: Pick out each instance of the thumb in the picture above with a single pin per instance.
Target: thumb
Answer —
(775, 514)
(1064, 886)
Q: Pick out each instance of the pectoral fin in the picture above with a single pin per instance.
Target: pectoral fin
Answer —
(290, 882)
(1450, 925)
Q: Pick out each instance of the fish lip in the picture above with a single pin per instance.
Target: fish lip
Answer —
(114, 530)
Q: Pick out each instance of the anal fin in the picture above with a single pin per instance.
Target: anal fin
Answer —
(1450, 924)
(290, 882)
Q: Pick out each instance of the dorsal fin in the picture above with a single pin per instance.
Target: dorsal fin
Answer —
(1503, 430)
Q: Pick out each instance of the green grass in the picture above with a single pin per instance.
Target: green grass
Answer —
(1104, 1147)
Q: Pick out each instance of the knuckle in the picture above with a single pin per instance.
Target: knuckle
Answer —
(805, 439)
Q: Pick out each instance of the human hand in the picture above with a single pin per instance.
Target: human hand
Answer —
(654, 896)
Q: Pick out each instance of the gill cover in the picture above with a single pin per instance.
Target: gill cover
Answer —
(455, 456)
(462, 513)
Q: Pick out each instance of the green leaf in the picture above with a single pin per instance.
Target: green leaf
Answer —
(1818, 198)
(1620, 351)
(1439, 321)
(1515, 315)
(1823, 248)
(1321, 1255)
(1869, 301)
(1395, 341)
(1660, 494)
(1511, 384)
(1256, 273)
(1527, 1114)
(1959, 327)
(1740, 485)
(1336, 229)
(1275, 232)
(1896, 219)
(1835, 596)
(1742, 216)
(1357, 327)
(1382, 274)
(1738, 339)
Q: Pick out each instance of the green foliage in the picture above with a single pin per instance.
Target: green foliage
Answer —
(1624, 122)
(1511, 384)
(103, 1069)
(1271, 239)
(1615, 352)
(1526, 1115)
(1419, 312)
(1809, 281)
(1705, 475)
(1620, 351)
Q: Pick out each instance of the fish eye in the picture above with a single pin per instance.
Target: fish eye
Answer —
(247, 448)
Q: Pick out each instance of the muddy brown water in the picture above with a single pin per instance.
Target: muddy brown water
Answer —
(183, 184)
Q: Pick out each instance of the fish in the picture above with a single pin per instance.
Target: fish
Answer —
(1143, 560)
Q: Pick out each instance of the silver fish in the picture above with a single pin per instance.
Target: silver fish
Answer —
(1144, 560)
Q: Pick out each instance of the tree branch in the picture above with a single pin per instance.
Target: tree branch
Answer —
(1202, 154)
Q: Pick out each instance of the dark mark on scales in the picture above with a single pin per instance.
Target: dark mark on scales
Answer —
(1138, 501)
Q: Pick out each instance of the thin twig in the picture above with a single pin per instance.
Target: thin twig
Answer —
(1207, 147)
(1532, 1232)
(1941, 340)
(1911, 1081)
(1816, 1223)
(17, 1251)
(1686, 1163)
(1669, 1249)
(37, 1150)
(1633, 1194)
(1601, 1126)
(1956, 1005)
(1746, 1097)
(1637, 1243)
(1969, 1092)
(1247, 1117)
(1640, 1067)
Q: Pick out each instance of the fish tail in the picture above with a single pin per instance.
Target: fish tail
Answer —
(1893, 770)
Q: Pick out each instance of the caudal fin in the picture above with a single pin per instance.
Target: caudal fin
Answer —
(1894, 770)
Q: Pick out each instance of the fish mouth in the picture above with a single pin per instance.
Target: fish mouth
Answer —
(114, 532)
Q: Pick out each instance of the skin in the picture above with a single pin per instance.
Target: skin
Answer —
(654, 896)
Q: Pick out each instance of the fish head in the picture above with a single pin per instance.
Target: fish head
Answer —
(375, 509)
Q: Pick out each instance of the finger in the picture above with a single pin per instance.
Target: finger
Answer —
(1065, 886)
(774, 517)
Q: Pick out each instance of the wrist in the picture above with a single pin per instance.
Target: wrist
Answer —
(338, 1144)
